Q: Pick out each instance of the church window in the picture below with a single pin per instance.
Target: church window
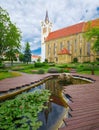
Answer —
(88, 49)
(68, 45)
(80, 51)
(48, 49)
(54, 51)
(75, 45)
(61, 46)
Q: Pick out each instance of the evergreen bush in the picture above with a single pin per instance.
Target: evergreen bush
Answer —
(75, 60)
(41, 71)
(53, 70)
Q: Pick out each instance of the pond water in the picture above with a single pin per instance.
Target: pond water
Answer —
(52, 117)
(57, 106)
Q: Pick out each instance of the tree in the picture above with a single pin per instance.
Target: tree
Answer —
(93, 34)
(27, 53)
(13, 38)
(4, 29)
(21, 57)
(10, 37)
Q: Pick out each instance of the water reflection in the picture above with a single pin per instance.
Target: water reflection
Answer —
(50, 116)
(56, 106)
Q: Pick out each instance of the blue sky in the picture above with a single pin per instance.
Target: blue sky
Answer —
(28, 14)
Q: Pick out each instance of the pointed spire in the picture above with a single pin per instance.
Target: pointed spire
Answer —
(46, 17)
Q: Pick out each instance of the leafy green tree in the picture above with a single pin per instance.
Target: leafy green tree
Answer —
(4, 29)
(27, 53)
(93, 35)
(13, 38)
(21, 57)
(38, 60)
(10, 37)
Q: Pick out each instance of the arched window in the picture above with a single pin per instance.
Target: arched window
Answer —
(61, 46)
(68, 45)
(88, 49)
(54, 49)
(80, 51)
(48, 49)
(75, 45)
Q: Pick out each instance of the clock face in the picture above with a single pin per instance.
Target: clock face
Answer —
(44, 30)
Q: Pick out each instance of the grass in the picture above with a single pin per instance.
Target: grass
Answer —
(81, 68)
(4, 75)
(89, 72)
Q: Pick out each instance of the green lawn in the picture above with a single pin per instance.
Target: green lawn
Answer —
(4, 75)
(89, 72)
(81, 68)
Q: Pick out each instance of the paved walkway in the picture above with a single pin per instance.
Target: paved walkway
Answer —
(85, 105)
(9, 83)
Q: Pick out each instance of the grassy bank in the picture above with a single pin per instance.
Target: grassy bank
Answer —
(6, 74)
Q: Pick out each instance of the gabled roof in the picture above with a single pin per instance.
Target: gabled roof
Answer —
(35, 56)
(64, 51)
(74, 29)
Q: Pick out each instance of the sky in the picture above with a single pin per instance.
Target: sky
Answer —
(28, 14)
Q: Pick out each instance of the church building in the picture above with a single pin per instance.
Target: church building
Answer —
(67, 44)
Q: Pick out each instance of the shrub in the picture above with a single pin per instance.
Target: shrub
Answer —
(3, 70)
(18, 68)
(41, 71)
(61, 70)
(39, 64)
(2, 65)
(62, 66)
(53, 70)
(46, 61)
(97, 59)
(66, 71)
(75, 60)
(51, 64)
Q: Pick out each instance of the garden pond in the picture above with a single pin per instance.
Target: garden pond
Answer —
(57, 107)
(52, 117)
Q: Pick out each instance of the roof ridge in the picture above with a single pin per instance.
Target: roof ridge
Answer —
(67, 27)
(71, 30)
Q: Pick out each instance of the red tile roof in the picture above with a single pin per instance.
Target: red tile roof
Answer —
(64, 51)
(35, 56)
(74, 29)
(91, 24)
(95, 23)
(71, 30)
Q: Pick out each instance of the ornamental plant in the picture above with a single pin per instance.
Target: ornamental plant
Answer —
(21, 113)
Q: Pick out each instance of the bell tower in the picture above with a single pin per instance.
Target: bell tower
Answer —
(46, 28)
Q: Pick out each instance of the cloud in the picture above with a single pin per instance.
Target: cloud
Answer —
(28, 14)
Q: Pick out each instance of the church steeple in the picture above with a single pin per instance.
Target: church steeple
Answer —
(46, 17)
(46, 27)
